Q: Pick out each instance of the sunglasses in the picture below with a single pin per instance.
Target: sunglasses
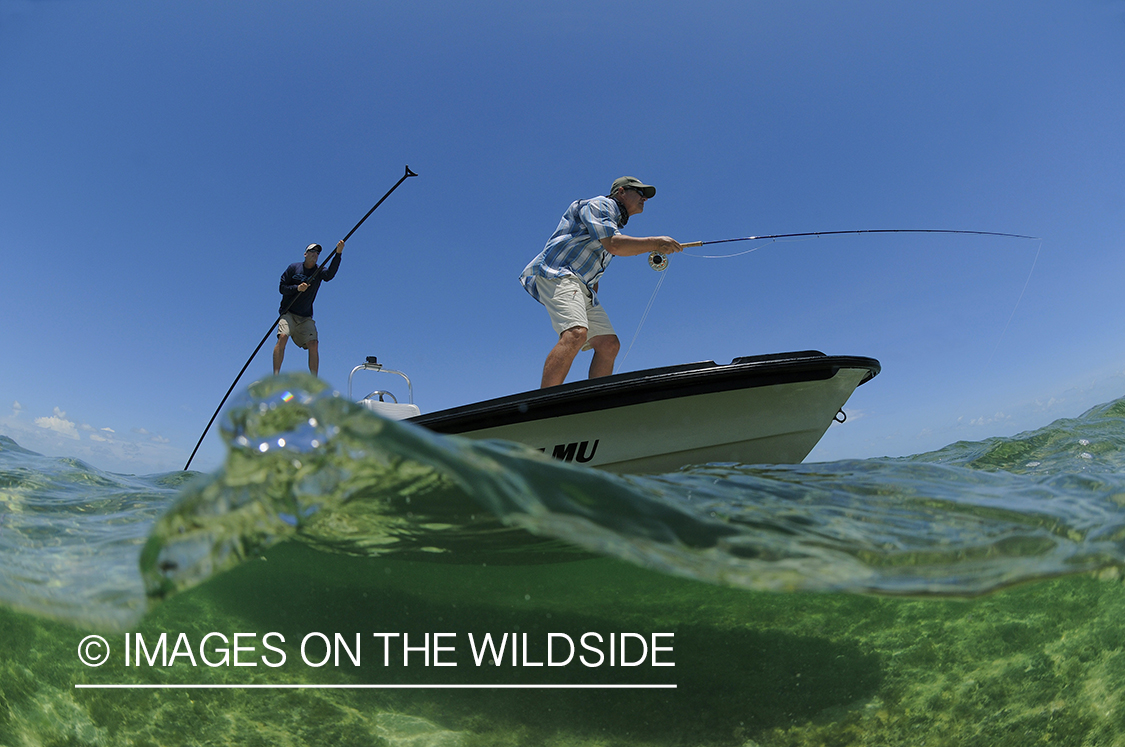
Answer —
(641, 192)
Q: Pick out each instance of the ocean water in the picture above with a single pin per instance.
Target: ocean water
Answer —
(347, 580)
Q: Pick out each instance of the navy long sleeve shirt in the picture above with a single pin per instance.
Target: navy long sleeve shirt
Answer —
(297, 273)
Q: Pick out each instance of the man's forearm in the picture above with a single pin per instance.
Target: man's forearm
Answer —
(630, 246)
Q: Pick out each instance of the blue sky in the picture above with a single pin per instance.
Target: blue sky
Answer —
(161, 164)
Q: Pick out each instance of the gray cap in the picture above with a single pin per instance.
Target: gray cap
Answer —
(313, 248)
(647, 190)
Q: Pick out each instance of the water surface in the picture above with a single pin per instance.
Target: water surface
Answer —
(965, 596)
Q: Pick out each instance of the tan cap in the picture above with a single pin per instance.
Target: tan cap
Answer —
(647, 190)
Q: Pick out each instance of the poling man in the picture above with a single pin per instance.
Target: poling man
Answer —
(299, 284)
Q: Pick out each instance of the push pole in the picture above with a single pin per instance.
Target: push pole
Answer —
(317, 272)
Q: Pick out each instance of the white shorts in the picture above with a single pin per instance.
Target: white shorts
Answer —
(301, 328)
(569, 305)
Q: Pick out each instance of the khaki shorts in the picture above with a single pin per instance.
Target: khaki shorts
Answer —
(301, 328)
(569, 305)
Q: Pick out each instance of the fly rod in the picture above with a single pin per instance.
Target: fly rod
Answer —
(659, 262)
(316, 273)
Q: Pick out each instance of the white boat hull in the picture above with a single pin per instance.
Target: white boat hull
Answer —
(766, 410)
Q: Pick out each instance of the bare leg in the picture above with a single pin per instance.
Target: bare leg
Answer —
(314, 357)
(605, 354)
(279, 353)
(562, 355)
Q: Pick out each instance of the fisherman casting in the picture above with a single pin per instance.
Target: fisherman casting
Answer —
(564, 276)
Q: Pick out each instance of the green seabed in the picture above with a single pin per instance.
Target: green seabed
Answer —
(1040, 663)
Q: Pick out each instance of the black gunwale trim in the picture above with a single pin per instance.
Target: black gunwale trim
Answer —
(637, 387)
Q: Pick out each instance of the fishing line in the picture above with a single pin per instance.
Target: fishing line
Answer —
(284, 311)
(644, 316)
(658, 261)
(739, 254)
(1013, 314)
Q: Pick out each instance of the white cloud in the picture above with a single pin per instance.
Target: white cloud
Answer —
(97, 434)
(59, 424)
(985, 420)
(140, 451)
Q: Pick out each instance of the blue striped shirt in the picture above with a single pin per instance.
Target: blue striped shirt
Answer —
(575, 248)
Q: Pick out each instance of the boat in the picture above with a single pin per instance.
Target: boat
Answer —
(764, 409)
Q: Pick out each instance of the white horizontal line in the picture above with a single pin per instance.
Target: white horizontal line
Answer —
(373, 687)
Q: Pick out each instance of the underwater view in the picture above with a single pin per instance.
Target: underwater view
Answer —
(348, 580)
